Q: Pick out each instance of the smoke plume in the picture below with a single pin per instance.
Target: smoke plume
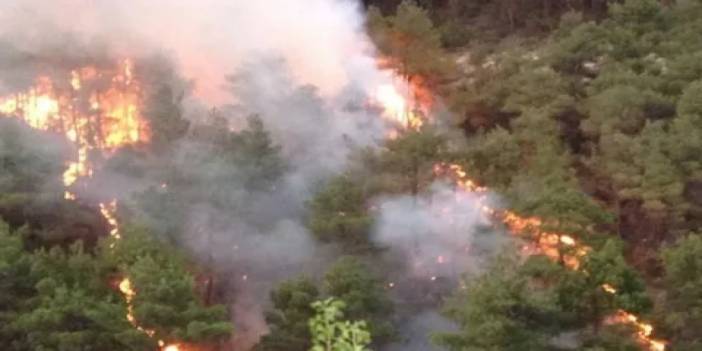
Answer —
(322, 40)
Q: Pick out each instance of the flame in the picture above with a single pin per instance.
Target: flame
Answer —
(404, 111)
(98, 111)
(549, 244)
(643, 330)
(396, 109)
(94, 109)
(108, 211)
(545, 243)
(609, 288)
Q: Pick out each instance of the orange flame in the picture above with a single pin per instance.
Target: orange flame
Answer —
(94, 109)
(643, 330)
(108, 211)
(97, 110)
(549, 244)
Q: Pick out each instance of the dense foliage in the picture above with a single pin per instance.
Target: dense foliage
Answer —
(585, 114)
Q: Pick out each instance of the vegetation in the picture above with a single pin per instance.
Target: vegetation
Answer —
(331, 334)
(347, 285)
(65, 298)
(584, 114)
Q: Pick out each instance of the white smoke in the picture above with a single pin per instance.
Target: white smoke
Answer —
(302, 65)
(322, 40)
(438, 232)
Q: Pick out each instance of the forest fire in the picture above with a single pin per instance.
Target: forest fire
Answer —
(559, 247)
(406, 103)
(397, 109)
(643, 330)
(551, 245)
(125, 285)
(108, 212)
(96, 109)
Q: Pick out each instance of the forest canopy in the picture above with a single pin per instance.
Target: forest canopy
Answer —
(541, 190)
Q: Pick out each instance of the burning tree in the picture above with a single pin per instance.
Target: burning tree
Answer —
(97, 110)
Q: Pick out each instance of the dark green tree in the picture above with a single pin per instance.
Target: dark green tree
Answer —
(288, 320)
(64, 302)
(408, 161)
(165, 300)
(683, 300)
(352, 281)
(338, 214)
(501, 310)
(163, 105)
(584, 293)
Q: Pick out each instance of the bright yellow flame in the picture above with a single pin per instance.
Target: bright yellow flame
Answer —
(608, 288)
(113, 120)
(396, 109)
(109, 211)
(643, 330)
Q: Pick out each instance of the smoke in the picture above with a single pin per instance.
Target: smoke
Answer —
(300, 64)
(316, 133)
(442, 236)
(322, 40)
(418, 332)
(439, 232)
(305, 68)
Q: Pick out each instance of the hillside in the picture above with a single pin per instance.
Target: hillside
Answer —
(393, 175)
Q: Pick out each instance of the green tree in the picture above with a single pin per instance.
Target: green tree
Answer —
(165, 299)
(331, 333)
(582, 292)
(351, 280)
(69, 299)
(338, 214)
(683, 299)
(686, 132)
(500, 311)
(410, 40)
(411, 157)
(31, 190)
(69, 306)
(216, 168)
(517, 305)
(163, 105)
(258, 155)
(221, 165)
(16, 286)
(288, 321)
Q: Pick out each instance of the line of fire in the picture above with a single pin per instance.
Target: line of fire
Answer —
(99, 110)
